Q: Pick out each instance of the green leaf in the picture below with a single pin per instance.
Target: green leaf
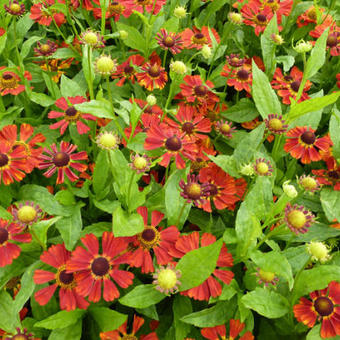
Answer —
(5, 214)
(71, 332)
(334, 128)
(226, 163)
(106, 318)
(52, 86)
(268, 46)
(41, 99)
(61, 320)
(267, 303)
(70, 88)
(181, 307)
(101, 170)
(9, 318)
(274, 262)
(264, 96)
(40, 228)
(287, 61)
(330, 201)
(311, 105)
(243, 111)
(124, 224)
(70, 227)
(174, 202)
(315, 279)
(98, 108)
(198, 264)
(26, 46)
(142, 296)
(210, 317)
(64, 53)
(134, 39)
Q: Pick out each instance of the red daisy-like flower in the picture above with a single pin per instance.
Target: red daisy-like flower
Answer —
(9, 134)
(195, 91)
(153, 110)
(219, 332)
(310, 16)
(62, 161)
(173, 141)
(324, 307)
(302, 142)
(70, 115)
(13, 164)
(151, 238)
(10, 232)
(115, 9)
(192, 126)
(288, 86)
(45, 49)
(277, 6)
(126, 71)
(122, 333)
(41, 13)
(224, 190)
(210, 287)
(331, 176)
(57, 256)
(256, 17)
(240, 77)
(92, 270)
(169, 41)
(151, 6)
(10, 82)
(153, 75)
(196, 38)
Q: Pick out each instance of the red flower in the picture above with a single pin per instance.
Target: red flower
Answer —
(331, 176)
(41, 13)
(10, 82)
(277, 6)
(127, 70)
(288, 86)
(121, 332)
(196, 38)
(115, 9)
(256, 17)
(301, 143)
(13, 163)
(70, 115)
(240, 77)
(62, 161)
(57, 257)
(9, 134)
(311, 17)
(94, 269)
(324, 307)
(236, 327)
(153, 75)
(194, 91)
(8, 250)
(169, 41)
(151, 6)
(159, 241)
(224, 190)
(210, 287)
(173, 141)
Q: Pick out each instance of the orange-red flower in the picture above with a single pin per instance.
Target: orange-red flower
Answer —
(57, 256)
(151, 6)
(93, 269)
(114, 10)
(196, 38)
(55, 66)
(152, 238)
(43, 15)
(169, 41)
(302, 142)
(310, 16)
(210, 287)
(10, 82)
(331, 176)
(239, 77)
(10, 232)
(277, 6)
(324, 307)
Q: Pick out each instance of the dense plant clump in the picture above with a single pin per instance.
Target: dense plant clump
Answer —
(169, 169)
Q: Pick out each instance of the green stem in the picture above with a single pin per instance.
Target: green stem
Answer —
(22, 68)
(271, 233)
(181, 213)
(164, 57)
(109, 90)
(37, 239)
(129, 189)
(103, 19)
(89, 61)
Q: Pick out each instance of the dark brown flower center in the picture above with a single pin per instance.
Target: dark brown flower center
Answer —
(332, 40)
(312, 14)
(308, 137)
(295, 85)
(169, 42)
(128, 69)
(154, 71)
(213, 190)
(173, 143)
(199, 38)
(288, 78)
(334, 174)
(8, 81)
(148, 109)
(3, 235)
(71, 111)
(3, 159)
(61, 159)
(324, 306)
(200, 90)
(66, 278)
(243, 74)
(261, 18)
(149, 237)
(100, 266)
(116, 8)
(188, 128)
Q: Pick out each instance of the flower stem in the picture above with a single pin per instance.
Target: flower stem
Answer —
(181, 213)
(129, 190)
(89, 61)
(37, 239)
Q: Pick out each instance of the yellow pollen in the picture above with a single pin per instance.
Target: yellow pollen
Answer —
(275, 124)
(140, 163)
(167, 279)
(266, 276)
(16, 8)
(108, 140)
(297, 219)
(262, 168)
(27, 214)
(91, 38)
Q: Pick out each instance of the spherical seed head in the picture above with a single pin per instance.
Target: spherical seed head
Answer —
(105, 65)
(167, 278)
(206, 51)
(318, 251)
(266, 276)
(309, 183)
(275, 124)
(262, 168)
(140, 163)
(90, 38)
(14, 7)
(277, 39)
(108, 140)
(296, 218)
(151, 99)
(178, 67)
(180, 12)
(235, 18)
(27, 214)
